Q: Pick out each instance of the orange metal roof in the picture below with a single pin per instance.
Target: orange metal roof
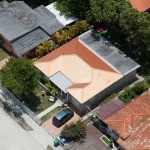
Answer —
(132, 123)
(89, 74)
(140, 5)
(75, 47)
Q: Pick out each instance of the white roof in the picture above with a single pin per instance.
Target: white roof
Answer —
(60, 16)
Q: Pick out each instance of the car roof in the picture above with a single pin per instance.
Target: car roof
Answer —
(61, 114)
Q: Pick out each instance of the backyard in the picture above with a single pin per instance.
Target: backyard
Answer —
(38, 100)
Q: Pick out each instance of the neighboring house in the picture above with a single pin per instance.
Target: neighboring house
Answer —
(130, 126)
(141, 5)
(86, 69)
(104, 112)
(23, 28)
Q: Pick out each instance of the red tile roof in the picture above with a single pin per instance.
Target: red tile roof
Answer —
(79, 85)
(140, 5)
(132, 123)
(110, 108)
(75, 47)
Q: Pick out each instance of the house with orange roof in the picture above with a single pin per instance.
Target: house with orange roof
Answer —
(130, 126)
(87, 69)
(141, 5)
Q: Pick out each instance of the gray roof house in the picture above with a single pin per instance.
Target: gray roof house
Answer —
(23, 28)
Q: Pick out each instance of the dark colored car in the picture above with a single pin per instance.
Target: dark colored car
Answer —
(63, 116)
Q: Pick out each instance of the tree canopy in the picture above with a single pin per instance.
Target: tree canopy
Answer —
(19, 75)
(78, 9)
(74, 131)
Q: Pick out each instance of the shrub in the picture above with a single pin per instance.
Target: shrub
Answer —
(74, 131)
(136, 90)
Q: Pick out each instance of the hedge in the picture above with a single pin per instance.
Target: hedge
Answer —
(136, 90)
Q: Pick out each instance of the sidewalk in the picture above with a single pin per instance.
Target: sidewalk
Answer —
(38, 133)
(57, 103)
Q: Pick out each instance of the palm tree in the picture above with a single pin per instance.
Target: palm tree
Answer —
(45, 48)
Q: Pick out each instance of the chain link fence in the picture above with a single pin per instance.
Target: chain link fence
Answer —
(15, 104)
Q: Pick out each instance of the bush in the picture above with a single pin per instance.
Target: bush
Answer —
(74, 131)
(136, 90)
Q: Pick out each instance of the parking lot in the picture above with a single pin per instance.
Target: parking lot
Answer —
(53, 130)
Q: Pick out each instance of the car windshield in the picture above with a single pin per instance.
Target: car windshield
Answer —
(68, 111)
(61, 114)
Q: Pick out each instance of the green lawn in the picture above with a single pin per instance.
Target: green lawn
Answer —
(3, 54)
(105, 140)
(36, 101)
(51, 113)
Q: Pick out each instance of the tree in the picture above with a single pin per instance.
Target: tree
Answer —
(45, 48)
(136, 26)
(19, 75)
(106, 10)
(78, 9)
(74, 131)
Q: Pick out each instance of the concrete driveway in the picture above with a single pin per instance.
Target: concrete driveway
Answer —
(53, 130)
(13, 137)
(92, 140)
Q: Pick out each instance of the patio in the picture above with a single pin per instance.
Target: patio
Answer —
(53, 130)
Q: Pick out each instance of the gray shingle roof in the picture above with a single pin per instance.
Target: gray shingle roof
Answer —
(30, 40)
(17, 19)
(108, 53)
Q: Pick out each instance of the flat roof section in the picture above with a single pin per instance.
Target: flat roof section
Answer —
(108, 53)
(60, 16)
(60, 80)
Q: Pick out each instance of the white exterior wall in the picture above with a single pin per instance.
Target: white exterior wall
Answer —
(113, 133)
(100, 96)
(73, 101)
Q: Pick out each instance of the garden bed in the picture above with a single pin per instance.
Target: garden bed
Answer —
(38, 100)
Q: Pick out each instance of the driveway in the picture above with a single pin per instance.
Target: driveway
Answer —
(92, 140)
(13, 137)
(53, 130)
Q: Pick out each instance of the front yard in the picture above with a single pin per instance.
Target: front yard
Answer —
(38, 100)
(51, 113)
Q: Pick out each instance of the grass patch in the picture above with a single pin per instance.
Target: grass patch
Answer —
(51, 113)
(105, 140)
(49, 147)
(3, 54)
(37, 101)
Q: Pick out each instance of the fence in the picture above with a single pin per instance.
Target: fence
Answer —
(12, 101)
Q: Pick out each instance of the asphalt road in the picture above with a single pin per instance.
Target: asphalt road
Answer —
(13, 136)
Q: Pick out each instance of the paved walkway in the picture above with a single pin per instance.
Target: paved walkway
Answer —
(57, 103)
(39, 134)
(13, 137)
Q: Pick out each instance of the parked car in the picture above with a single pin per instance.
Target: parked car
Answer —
(63, 116)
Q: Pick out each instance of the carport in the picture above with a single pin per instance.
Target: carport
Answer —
(105, 111)
(62, 82)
